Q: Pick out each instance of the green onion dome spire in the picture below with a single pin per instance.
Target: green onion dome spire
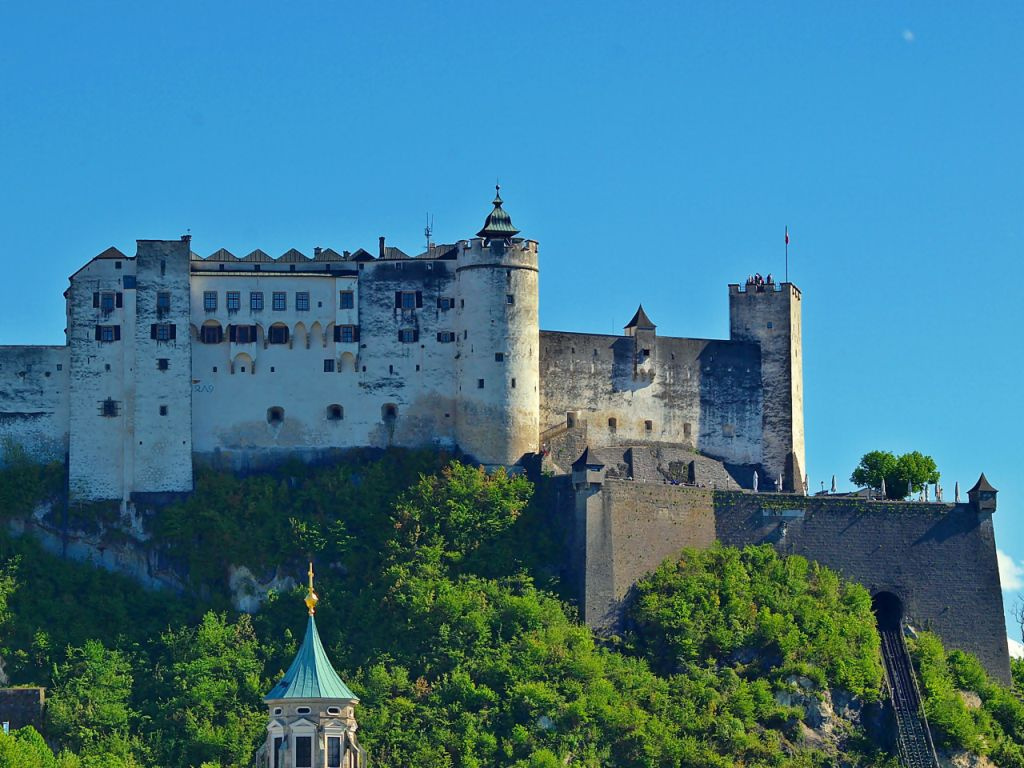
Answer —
(498, 225)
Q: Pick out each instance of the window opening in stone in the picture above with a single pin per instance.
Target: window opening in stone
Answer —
(304, 751)
(613, 424)
(499, 357)
(648, 425)
(329, 366)
(275, 415)
(389, 412)
(335, 413)
(109, 407)
(163, 410)
(333, 749)
(163, 363)
(278, 334)
(479, 383)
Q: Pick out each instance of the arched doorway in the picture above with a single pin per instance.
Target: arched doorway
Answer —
(888, 610)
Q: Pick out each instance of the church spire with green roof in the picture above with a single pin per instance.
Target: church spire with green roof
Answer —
(312, 721)
(311, 675)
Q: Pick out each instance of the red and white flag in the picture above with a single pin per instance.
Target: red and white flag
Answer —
(787, 235)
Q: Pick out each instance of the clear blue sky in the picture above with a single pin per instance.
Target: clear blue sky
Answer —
(656, 151)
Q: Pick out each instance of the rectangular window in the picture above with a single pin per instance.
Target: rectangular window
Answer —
(303, 752)
(333, 752)
(163, 410)
(163, 364)
(108, 407)
(280, 301)
(278, 759)
(107, 333)
(302, 301)
(210, 301)
(107, 303)
(128, 281)
(348, 299)
(513, 383)
(510, 299)
(346, 334)
(408, 335)
(445, 303)
(479, 383)
(234, 301)
(242, 334)
(329, 366)
(256, 301)
(163, 331)
(499, 357)
(446, 337)
(163, 302)
(408, 299)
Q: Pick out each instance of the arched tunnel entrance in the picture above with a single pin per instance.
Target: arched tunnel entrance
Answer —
(888, 611)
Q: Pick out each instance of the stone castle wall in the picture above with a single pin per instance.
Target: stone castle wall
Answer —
(938, 559)
(34, 400)
(698, 393)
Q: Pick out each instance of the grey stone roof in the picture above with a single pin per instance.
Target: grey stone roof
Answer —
(222, 254)
(293, 256)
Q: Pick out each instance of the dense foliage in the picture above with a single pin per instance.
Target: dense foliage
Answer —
(791, 616)
(440, 609)
(993, 726)
(903, 475)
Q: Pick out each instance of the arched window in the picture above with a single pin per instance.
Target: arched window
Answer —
(277, 334)
(211, 332)
(335, 412)
(275, 415)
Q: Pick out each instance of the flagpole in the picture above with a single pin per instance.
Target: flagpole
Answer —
(787, 253)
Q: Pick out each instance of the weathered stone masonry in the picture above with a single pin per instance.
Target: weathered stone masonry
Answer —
(938, 559)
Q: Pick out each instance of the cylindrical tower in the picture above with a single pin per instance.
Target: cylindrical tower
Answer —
(497, 369)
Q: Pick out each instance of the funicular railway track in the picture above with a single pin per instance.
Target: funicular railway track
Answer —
(914, 739)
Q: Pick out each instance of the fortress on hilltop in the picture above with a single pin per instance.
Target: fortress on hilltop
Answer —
(244, 361)
(657, 443)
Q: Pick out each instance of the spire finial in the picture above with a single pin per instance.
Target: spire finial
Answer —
(311, 598)
(497, 194)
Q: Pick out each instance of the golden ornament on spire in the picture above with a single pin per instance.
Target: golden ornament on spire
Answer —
(311, 598)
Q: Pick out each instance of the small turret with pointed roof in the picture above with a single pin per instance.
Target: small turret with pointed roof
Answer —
(983, 496)
(311, 708)
(498, 225)
(640, 322)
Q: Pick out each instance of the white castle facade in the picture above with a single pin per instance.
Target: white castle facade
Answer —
(172, 358)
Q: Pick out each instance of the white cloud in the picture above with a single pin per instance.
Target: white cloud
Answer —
(908, 35)
(1011, 573)
(1016, 649)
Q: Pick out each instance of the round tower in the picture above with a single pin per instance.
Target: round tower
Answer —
(497, 371)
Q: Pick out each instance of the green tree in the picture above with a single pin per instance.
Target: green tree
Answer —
(903, 475)
(213, 675)
(90, 700)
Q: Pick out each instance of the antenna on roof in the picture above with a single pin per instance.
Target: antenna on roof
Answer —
(429, 229)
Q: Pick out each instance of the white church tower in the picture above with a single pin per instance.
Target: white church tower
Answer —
(312, 724)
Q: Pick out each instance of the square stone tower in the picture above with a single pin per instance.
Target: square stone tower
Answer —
(769, 315)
